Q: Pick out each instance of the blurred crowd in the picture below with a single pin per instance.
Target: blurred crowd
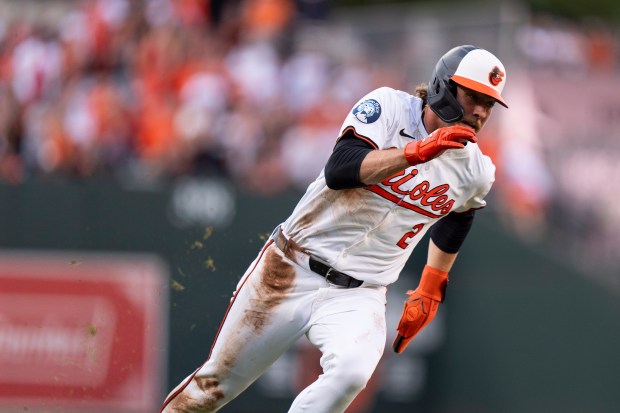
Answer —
(564, 141)
(255, 91)
(153, 89)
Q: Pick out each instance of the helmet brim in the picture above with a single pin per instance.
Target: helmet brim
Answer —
(479, 87)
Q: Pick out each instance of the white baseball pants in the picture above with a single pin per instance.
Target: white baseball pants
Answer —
(276, 302)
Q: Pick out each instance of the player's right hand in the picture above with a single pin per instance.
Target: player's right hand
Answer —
(449, 137)
(421, 306)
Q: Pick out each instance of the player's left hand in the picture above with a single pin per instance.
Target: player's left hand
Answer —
(421, 306)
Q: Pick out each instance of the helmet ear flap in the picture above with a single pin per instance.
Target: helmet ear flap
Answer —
(443, 101)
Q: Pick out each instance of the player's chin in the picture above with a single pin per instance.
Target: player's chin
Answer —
(472, 125)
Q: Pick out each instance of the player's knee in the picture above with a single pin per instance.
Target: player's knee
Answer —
(353, 384)
(353, 374)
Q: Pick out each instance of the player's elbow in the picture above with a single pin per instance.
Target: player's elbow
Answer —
(337, 177)
(337, 181)
(332, 180)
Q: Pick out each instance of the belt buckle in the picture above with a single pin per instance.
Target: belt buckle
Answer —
(329, 271)
(327, 274)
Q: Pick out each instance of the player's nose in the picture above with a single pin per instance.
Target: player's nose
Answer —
(481, 111)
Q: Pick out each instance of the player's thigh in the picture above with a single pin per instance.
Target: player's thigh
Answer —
(350, 330)
(268, 313)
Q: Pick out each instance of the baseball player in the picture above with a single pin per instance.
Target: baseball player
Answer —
(402, 165)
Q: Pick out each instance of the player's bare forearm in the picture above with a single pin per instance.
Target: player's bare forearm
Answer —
(439, 259)
(381, 164)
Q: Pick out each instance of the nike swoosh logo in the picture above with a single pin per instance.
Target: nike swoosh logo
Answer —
(402, 133)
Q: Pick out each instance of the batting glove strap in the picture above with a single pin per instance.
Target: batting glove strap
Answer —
(433, 284)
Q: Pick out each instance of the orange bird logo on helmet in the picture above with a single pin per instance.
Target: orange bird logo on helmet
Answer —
(496, 76)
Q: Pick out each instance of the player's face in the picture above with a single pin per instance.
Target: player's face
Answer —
(477, 107)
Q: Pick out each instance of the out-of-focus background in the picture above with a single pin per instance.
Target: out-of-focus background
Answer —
(149, 147)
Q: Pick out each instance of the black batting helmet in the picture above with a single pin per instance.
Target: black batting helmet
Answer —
(470, 67)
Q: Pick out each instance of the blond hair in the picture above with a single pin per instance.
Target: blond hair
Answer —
(421, 91)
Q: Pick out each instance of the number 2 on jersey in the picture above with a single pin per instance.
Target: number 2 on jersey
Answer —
(404, 241)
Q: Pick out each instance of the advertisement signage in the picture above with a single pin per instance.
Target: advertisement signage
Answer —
(81, 333)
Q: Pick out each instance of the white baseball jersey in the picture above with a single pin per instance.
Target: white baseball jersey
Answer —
(369, 233)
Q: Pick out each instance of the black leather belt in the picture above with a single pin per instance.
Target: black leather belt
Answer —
(331, 275)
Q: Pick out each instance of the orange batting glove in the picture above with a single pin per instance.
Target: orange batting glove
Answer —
(421, 306)
(450, 137)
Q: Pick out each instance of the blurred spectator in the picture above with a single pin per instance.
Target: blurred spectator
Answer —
(313, 134)
(600, 46)
(527, 185)
(11, 136)
(266, 19)
(35, 66)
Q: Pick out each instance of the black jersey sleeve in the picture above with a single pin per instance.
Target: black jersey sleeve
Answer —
(450, 232)
(342, 170)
